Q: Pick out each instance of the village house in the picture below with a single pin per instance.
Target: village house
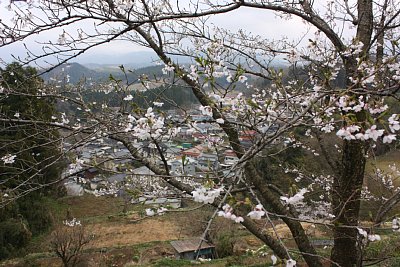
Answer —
(193, 152)
(207, 161)
(190, 249)
(230, 157)
(189, 166)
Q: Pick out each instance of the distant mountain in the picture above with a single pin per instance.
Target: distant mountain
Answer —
(138, 59)
(132, 72)
(108, 68)
(151, 72)
(73, 73)
(134, 59)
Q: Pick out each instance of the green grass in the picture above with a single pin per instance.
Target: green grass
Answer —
(234, 261)
(58, 211)
(382, 162)
(57, 208)
(172, 263)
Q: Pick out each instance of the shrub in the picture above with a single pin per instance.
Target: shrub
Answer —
(37, 213)
(224, 244)
(68, 242)
(14, 235)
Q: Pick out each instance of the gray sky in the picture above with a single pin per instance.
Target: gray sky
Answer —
(260, 22)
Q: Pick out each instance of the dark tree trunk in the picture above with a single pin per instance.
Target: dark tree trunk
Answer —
(302, 241)
(268, 198)
(347, 185)
(346, 203)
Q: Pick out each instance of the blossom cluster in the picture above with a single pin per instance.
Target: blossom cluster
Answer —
(354, 131)
(159, 211)
(72, 223)
(206, 196)
(111, 190)
(349, 133)
(257, 213)
(396, 224)
(76, 167)
(206, 110)
(371, 237)
(64, 119)
(168, 68)
(227, 212)
(8, 159)
(297, 198)
(149, 126)
(262, 251)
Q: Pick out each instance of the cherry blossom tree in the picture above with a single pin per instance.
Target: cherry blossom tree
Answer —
(353, 40)
(68, 242)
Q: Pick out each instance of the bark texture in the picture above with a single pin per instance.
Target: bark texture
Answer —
(348, 184)
(346, 203)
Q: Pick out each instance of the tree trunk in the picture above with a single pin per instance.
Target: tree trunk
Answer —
(347, 185)
(346, 205)
(268, 198)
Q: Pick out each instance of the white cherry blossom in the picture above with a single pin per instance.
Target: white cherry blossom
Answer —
(257, 213)
(72, 223)
(389, 138)
(394, 123)
(242, 78)
(373, 133)
(8, 159)
(128, 97)
(205, 195)
(298, 197)
(291, 263)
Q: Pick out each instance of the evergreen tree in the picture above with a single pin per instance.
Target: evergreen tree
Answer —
(35, 146)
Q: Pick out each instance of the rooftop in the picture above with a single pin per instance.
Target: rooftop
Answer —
(189, 245)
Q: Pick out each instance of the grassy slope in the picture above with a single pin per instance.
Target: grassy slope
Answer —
(119, 242)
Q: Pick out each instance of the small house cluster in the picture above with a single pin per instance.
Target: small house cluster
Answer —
(197, 152)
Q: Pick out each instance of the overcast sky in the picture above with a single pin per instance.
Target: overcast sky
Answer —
(260, 22)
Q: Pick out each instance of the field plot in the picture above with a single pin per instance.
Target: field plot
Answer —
(132, 239)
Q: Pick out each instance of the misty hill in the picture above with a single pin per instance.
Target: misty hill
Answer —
(98, 73)
(133, 59)
(138, 59)
(176, 95)
(75, 72)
